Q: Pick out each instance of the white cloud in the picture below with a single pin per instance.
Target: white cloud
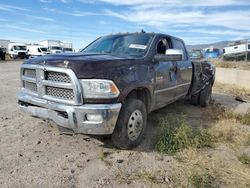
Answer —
(162, 19)
(66, 1)
(6, 7)
(73, 12)
(42, 18)
(200, 40)
(16, 27)
(102, 22)
(171, 3)
(88, 1)
(210, 17)
(3, 20)
(62, 1)
(44, 1)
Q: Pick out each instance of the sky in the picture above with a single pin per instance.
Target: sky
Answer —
(82, 21)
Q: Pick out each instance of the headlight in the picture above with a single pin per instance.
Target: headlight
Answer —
(97, 88)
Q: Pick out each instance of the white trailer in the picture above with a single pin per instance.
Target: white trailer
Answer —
(237, 50)
(67, 47)
(17, 50)
(54, 46)
(37, 50)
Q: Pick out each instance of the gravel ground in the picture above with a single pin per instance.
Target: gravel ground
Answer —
(34, 154)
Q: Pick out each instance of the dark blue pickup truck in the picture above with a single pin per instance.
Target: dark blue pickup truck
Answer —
(112, 85)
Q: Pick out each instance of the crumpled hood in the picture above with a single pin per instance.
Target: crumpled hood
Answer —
(85, 65)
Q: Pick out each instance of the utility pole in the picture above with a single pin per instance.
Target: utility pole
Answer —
(246, 50)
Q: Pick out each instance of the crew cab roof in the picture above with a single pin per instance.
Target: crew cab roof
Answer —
(144, 33)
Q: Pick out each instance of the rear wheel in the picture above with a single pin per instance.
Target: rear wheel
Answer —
(206, 96)
(131, 124)
(195, 99)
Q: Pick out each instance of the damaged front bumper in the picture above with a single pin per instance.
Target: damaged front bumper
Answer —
(96, 119)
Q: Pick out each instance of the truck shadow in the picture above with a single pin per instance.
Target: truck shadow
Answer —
(192, 113)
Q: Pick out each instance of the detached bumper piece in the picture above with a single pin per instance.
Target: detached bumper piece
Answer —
(95, 119)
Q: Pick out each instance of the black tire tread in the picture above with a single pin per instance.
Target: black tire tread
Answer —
(205, 95)
(119, 137)
(195, 99)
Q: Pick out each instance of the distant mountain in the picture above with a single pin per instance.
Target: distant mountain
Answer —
(219, 45)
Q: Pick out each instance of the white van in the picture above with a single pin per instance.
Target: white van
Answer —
(17, 50)
(55, 49)
(54, 46)
(37, 50)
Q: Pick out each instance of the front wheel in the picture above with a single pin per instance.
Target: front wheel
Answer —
(131, 124)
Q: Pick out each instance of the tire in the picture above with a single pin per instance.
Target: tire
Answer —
(3, 56)
(131, 124)
(205, 96)
(195, 99)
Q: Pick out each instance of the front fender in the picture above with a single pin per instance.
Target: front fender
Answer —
(134, 86)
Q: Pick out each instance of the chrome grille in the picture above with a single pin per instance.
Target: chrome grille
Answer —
(30, 86)
(30, 73)
(52, 83)
(57, 77)
(62, 93)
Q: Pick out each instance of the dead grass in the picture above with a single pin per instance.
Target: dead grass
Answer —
(155, 178)
(204, 180)
(219, 166)
(244, 118)
(248, 140)
(175, 134)
(233, 90)
(103, 158)
(149, 177)
(244, 159)
(230, 64)
(216, 113)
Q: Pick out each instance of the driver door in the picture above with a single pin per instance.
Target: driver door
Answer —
(165, 76)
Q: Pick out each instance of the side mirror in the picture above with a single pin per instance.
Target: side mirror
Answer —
(174, 54)
(170, 55)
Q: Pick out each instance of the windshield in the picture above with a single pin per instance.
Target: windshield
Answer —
(56, 48)
(19, 47)
(44, 49)
(121, 45)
